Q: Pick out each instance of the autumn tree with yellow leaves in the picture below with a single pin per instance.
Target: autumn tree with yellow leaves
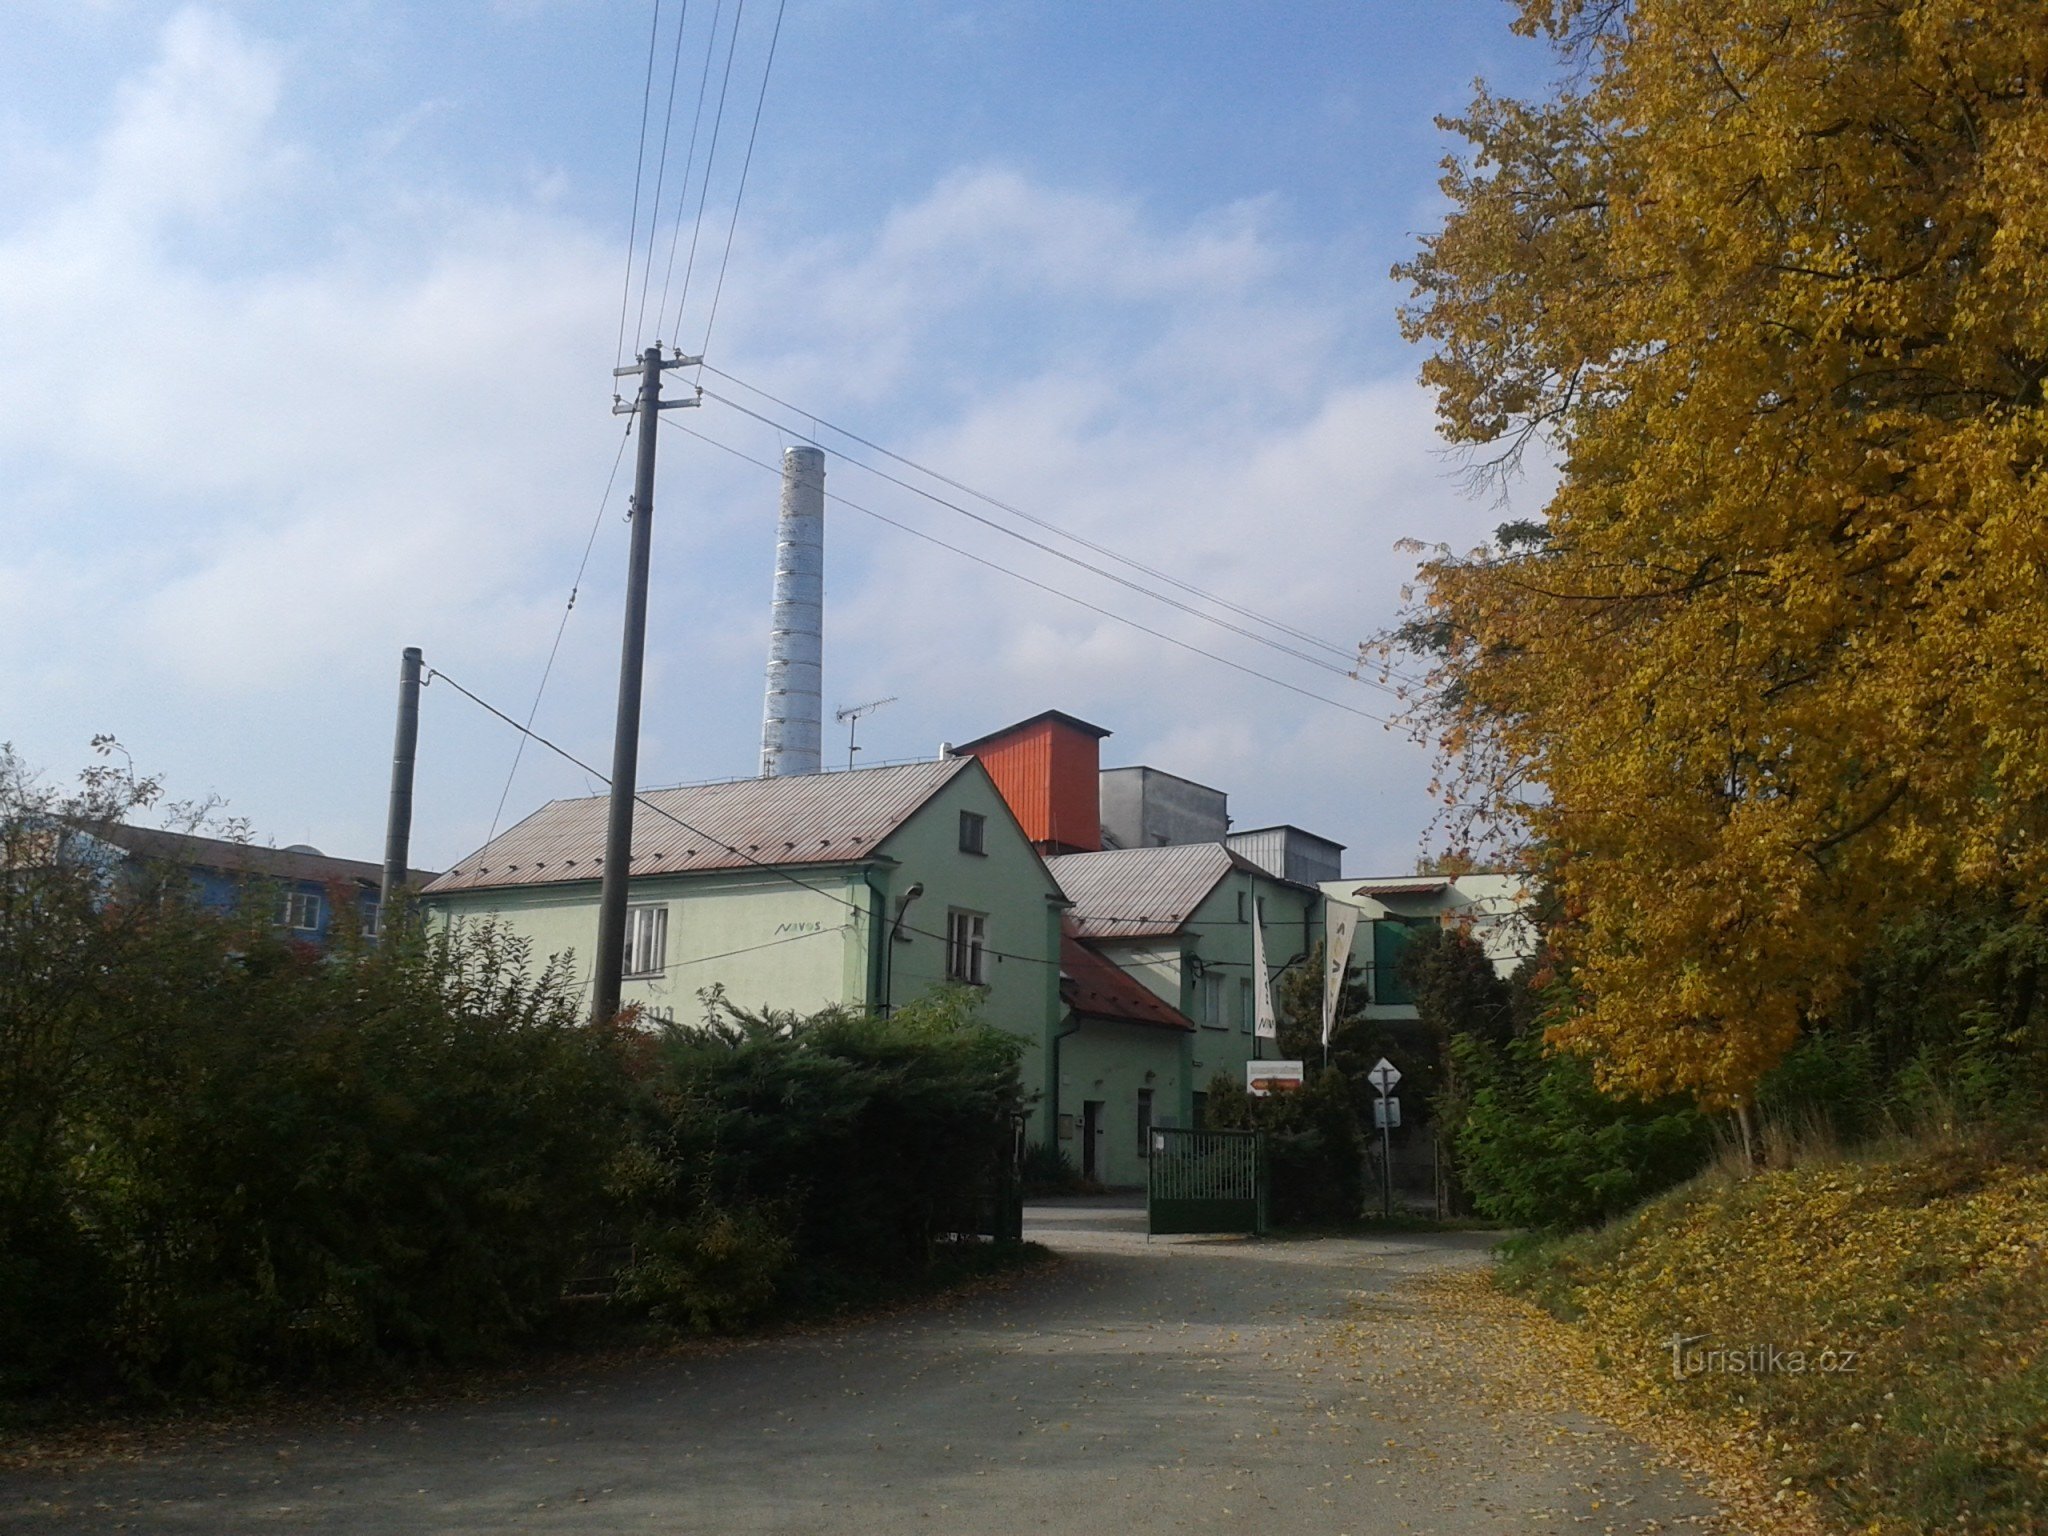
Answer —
(1770, 282)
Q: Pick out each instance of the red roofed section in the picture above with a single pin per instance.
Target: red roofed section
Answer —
(1096, 988)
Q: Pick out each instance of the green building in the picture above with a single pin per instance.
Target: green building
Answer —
(863, 889)
(1128, 972)
(1177, 919)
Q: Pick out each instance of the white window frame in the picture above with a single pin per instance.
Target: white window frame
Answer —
(373, 917)
(646, 939)
(967, 946)
(294, 905)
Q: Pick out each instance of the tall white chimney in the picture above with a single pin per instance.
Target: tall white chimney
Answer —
(796, 627)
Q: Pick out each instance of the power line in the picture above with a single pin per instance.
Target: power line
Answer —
(710, 157)
(1349, 653)
(689, 164)
(639, 175)
(575, 587)
(746, 165)
(1124, 619)
(1075, 560)
(668, 123)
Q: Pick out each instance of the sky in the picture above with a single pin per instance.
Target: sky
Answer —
(310, 314)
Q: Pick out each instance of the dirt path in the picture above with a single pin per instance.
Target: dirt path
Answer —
(1315, 1387)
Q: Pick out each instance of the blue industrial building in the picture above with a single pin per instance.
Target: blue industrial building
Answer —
(308, 889)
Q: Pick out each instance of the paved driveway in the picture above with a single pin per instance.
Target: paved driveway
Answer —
(1171, 1385)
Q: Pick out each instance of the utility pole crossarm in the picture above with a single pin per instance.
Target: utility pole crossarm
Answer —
(678, 361)
(645, 370)
(622, 408)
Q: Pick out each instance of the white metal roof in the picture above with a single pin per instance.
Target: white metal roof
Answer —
(1123, 893)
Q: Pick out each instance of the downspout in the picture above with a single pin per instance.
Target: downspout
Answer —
(877, 937)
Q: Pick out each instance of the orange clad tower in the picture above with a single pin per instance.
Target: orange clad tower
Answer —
(1048, 769)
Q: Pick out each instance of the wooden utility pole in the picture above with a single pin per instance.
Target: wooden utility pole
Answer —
(398, 818)
(618, 837)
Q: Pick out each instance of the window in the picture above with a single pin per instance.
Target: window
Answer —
(973, 830)
(646, 940)
(1144, 1122)
(1244, 1004)
(299, 910)
(371, 912)
(1212, 999)
(1390, 938)
(965, 952)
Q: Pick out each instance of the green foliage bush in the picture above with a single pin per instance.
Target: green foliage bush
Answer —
(862, 1142)
(225, 1158)
(712, 1271)
(1539, 1145)
(1047, 1170)
(1312, 1145)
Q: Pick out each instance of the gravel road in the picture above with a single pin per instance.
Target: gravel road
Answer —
(1320, 1387)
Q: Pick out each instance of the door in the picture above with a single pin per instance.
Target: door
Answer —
(1091, 1137)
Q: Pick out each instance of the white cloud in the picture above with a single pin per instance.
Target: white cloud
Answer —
(185, 136)
(241, 483)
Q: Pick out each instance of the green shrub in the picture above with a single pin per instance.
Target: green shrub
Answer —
(1047, 1170)
(877, 1138)
(1539, 1145)
(1829, 1079)
(225, 1158)
(714, 1272)
(312, 1165)
(1316, 1167)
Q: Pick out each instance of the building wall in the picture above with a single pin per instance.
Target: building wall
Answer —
(1160, 964)
(1020, 903)
(773, 944)
(1111, 1064)
(1144, 808)
(1219, 941)
(1492, 908)
(1290, 853)
(229, 891)
(1047, 770)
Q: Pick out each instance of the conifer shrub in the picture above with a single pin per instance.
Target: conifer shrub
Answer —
(816, 1156)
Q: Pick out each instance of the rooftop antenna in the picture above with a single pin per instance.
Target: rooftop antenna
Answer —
(850, 718)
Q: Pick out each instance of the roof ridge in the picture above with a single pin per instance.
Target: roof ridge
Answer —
(727, 826)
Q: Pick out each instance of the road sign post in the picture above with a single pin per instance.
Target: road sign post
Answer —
(1383, 1077)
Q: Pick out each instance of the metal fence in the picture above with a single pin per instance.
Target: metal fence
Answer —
(1206, 1181)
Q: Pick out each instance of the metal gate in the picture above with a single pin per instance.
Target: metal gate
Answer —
(1206, 1181)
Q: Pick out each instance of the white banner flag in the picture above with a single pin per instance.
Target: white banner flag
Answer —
(1342, 924)
(1264, 1025)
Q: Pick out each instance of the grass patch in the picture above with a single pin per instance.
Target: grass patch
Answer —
(1875, 1329)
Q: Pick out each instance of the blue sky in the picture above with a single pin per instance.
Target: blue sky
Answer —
(311, 311)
